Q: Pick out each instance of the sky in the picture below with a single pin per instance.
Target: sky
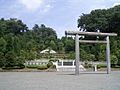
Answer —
(61, 15)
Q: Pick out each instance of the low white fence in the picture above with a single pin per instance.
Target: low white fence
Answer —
(64, 65)
(37, 62)
(67, 65)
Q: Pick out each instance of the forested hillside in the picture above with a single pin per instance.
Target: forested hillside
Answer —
(18, 43)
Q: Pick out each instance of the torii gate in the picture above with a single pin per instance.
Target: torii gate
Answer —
(77, 56)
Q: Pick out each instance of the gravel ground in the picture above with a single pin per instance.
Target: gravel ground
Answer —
(59, 81)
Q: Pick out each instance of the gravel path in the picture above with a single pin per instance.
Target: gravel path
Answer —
(59, 81)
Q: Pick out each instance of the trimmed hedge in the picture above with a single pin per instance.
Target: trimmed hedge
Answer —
(14, 67)
(32, 66)
(49, 64)
(87, 65)
(42, 67)
(101, 66)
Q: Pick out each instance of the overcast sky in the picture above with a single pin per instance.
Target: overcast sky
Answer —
(60, 15)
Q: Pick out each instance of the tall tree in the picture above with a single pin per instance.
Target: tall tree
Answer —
(105, 20)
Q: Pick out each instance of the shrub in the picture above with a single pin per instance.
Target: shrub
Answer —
(98, 66)
(14, 67)
(87, 65)
(21, 66)
(114, 60)
(49, 64)
(42, 67)
(18, 67)
(117, 66)
(32, 66)
(101, 66)
(6, 68)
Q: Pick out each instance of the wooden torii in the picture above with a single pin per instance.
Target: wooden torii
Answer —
(107, 42)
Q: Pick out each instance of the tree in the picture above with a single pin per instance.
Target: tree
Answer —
(36, 28)
(53, 45)
(106, 20)
(10, 59)
(2, 59)
(3, 44)
(12, 26)
(86, 56)
(69, 44)
(114, 60)
(60, 46)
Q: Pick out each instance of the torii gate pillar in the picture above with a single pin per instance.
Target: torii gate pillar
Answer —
(108, 55)
(77, 53)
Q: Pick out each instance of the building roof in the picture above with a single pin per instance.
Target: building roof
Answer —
(46, 51)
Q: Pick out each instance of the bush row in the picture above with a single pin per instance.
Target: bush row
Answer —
(42, 67)
(13, 67)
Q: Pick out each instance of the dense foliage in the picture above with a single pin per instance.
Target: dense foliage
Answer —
(18, 43)
(105, 20)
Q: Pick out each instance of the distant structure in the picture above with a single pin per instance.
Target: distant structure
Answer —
(47, 51)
